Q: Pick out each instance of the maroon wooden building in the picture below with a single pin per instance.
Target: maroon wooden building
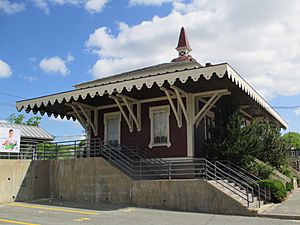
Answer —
(166, 108)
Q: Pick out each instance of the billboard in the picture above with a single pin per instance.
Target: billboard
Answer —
(10, 139)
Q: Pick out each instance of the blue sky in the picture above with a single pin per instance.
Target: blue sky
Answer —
(46, 46)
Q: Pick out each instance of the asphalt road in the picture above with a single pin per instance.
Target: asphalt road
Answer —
(64, 213)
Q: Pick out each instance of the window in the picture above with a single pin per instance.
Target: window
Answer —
(208, 124)
(160, 133)
(112, 128)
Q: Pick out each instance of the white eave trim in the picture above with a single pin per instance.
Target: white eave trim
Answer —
(195, 74)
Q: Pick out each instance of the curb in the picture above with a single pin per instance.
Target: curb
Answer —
(280, 216)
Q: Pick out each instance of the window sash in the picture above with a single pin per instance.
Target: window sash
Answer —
(160, 132)
(112, 122)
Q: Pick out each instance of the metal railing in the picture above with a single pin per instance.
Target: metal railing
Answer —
(140, 163)
(34, 150)
(174, 169)
(262, 193)
(265, 192)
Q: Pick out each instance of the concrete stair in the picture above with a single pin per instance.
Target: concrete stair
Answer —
(237, 192)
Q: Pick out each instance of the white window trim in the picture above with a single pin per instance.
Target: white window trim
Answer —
(152, 110)
(112, 115)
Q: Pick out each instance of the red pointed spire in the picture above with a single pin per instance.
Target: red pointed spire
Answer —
(183, 41)
(183, 48)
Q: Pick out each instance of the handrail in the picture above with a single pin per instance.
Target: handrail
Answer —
(140, 163)
(262, 193)
(241, 184)
(231, 164)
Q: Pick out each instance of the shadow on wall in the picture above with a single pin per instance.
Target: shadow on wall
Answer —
(94, 182)
(23, 180)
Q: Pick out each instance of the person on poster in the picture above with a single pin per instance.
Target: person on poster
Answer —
(10, 142)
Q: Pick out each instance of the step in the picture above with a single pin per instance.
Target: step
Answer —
(228, 191)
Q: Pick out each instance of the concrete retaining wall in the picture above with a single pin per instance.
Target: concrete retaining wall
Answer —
(183, 195)
(23, 180)
(95, 180)
(88, 179)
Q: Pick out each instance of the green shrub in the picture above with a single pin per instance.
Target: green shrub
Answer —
(278, 191)
(289, 186)
(285, 170)
(261, 170)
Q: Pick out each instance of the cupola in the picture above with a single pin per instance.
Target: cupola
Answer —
(183, 48)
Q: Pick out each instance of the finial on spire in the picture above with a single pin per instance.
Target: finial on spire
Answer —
(183, 48)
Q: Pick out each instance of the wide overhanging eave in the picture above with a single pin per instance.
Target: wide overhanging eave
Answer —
(220, 70)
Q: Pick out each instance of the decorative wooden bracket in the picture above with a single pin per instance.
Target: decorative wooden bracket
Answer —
(177, 111)
(214, 97)
(129, 102)
(82, 113)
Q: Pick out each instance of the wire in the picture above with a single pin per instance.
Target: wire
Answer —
(9, 95)
(287, 107)
(7, 104)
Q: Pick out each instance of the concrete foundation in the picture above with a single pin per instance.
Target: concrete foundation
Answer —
(95, 180)
(23, 180)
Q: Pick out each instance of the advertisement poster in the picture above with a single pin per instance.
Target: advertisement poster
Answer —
(10, 140)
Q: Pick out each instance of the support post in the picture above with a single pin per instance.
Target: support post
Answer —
(190, 125)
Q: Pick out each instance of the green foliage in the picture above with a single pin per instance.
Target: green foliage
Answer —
(232, 140)
(16, 119)
(278, 191)
(289, 186)
(34, 121)
(285, 170)
(261, 170)
(20, 119)
(293, 138)
(274, 150)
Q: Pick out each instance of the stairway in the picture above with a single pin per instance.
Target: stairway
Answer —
(237, 193)
(140, 164)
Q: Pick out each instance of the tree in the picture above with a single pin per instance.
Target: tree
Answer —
(232, 140)
(20, 119)
(16, 119)
(274, 148)
(293, 138)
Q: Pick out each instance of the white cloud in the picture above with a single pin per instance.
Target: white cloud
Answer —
(56, 65)
(95, 6)
(297, 111)
(69, 58)
(31, 79)
(260, 39)
(9, 7)
(149, 2)
(42, 4)
(5, 70)
(75, 123)
(92, 6)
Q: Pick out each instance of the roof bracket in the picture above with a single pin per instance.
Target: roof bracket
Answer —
(179, 93)
(82, 113)
(177, 111)
(214, 97)
(132, 116)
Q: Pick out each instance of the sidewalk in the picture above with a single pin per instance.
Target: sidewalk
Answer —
(290, 209)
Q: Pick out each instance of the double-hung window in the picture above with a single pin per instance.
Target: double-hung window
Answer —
(112, 128)
(160, 130)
